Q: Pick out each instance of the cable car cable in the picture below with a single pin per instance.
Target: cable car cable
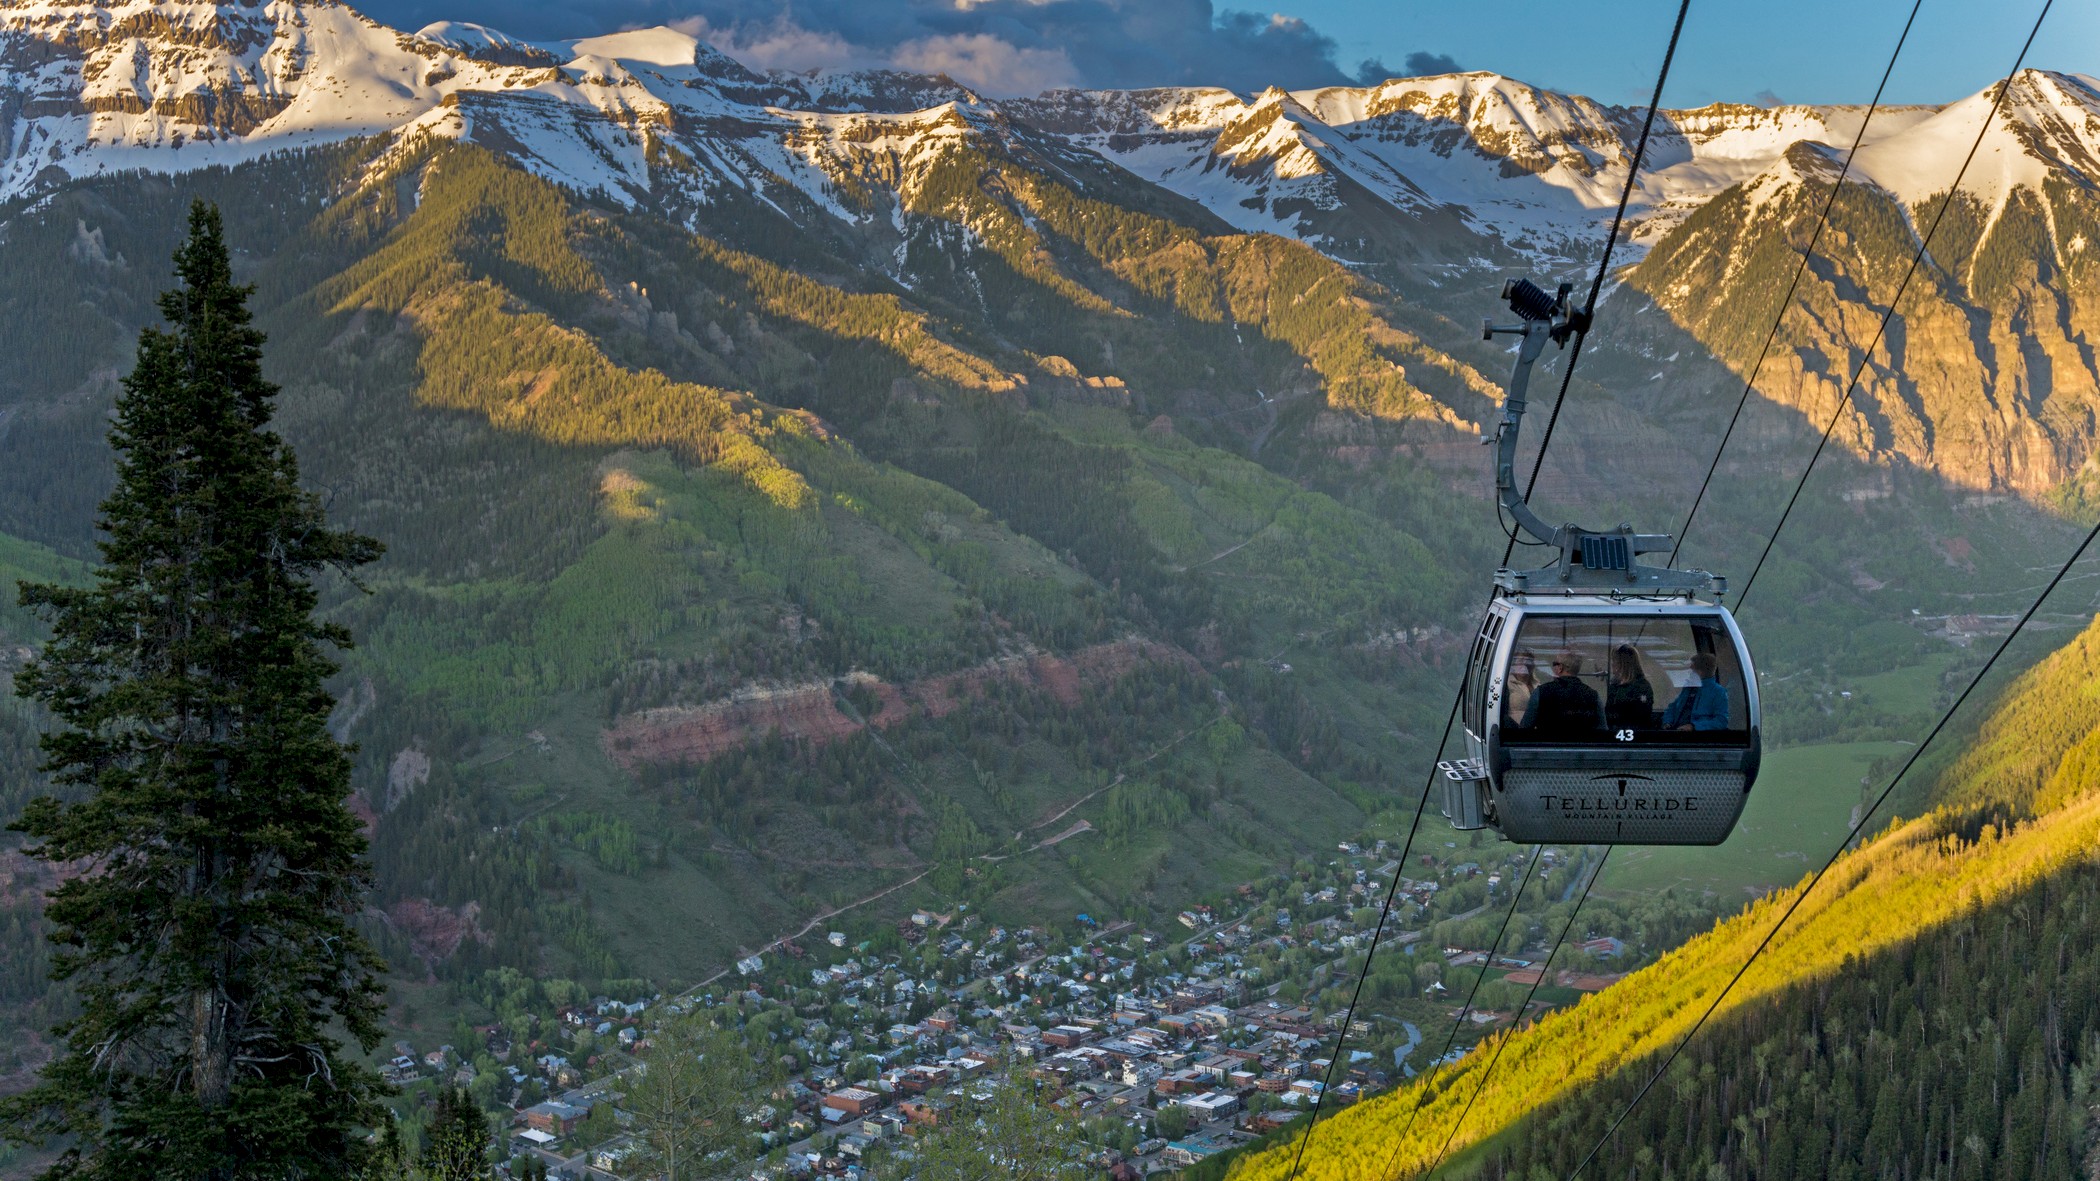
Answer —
(1924, 243)
(1437, 1063)
(1786, 301)
(1611, 240)
(1385, 909)
(1384, 913)
(1815, 239)
(1735, 416)
(1489, 1071)
(1538, 464)
(1850, 836)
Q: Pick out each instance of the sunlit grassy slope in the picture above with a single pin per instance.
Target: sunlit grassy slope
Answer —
(27, 561)
(1913, 879)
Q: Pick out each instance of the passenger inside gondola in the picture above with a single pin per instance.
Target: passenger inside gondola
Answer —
(1702, 705)
(1523, 681)
(1629, 701)
(1564, 707)
(1670, 680)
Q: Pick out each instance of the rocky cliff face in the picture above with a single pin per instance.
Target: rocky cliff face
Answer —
(1987, 371)
(812, 712)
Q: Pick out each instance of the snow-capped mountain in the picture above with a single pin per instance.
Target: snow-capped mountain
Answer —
(1986, 373)
(1418, 178)
(1537, 169)
(90, 88)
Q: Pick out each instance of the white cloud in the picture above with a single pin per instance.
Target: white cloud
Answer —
(977, 60)
(781, 45)
(984, 62)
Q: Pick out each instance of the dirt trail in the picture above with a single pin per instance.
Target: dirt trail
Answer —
(1120, 777)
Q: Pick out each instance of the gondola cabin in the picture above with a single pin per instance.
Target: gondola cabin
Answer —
(1606, 701)
(1595, 719)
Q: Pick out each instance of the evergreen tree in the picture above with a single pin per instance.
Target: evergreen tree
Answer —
(209, 938)
(1013, 1135)
(456, 1144)
(389, 1158)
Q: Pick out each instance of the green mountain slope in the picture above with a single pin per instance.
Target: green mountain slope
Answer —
(1968, 1051)
(741, 570)
(598, 527)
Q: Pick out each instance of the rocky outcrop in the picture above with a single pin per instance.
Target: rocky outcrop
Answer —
(1987, 372)
(24, 878)
(824, 711)
(435, 932)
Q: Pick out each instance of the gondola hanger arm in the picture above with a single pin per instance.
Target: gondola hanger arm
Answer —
(1593, 559)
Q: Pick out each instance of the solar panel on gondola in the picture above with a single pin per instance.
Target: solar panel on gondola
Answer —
(1607, 701)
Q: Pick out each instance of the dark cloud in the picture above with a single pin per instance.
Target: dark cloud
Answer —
(1765, 98)
(1373, 70)
(1005, 46)
(1424, 65)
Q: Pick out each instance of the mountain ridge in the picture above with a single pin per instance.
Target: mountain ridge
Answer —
(124, 84)
(1415, 183)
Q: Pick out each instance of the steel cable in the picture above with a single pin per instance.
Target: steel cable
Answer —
(1924, 243)
(1611, 240)
(1488, 1072)
(1815, 238)
(1538, 463)
(1786, 301)
(1458, 1022)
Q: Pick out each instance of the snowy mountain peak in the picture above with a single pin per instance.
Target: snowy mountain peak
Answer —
(171, 84)
(485, 44)
(2048, 124)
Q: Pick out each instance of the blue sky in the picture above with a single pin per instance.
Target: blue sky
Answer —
(1793, 50)
(1798, 50)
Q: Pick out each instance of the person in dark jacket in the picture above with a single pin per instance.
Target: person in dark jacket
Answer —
(1703, 706)
(1629, 701)
(1564, 707)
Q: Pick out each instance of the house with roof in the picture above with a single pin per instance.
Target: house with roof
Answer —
(1183, 1154)
(555, 1118)
(854, 1102)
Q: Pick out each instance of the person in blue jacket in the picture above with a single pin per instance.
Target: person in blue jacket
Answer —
(1703, 706)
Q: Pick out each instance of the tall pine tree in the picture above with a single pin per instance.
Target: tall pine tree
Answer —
(208, 933)
(456, 1144)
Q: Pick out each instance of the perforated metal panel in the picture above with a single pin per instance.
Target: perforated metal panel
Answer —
(1659, 807)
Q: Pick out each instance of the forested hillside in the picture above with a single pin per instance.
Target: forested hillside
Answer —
(597, 533)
